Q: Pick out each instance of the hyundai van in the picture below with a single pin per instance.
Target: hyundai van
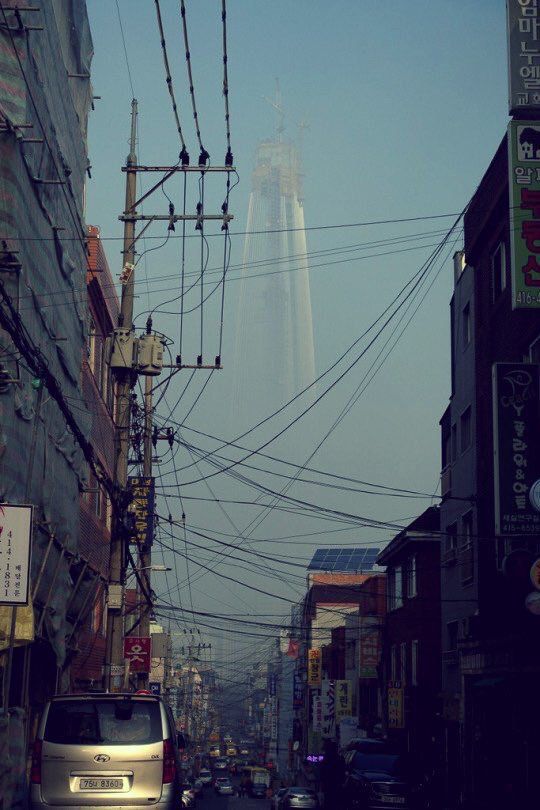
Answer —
(105, 750)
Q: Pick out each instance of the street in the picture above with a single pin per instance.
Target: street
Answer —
(211, 801)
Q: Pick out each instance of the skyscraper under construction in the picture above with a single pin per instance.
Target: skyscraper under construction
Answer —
(274, 341)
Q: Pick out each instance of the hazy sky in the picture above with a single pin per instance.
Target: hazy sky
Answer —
(406, 102)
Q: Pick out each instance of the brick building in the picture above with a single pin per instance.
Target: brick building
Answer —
(410, 671)
(95, 507)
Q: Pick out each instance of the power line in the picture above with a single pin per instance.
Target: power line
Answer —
(125, 49)
(169, 82)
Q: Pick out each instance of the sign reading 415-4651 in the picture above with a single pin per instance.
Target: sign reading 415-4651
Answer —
(524, 186)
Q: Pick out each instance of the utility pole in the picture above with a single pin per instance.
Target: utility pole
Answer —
(145, 552)
(114, 664)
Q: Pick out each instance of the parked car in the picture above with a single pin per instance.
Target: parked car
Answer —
(205, 776)
(221, 764)
(274, 802)
(379, 777)
(299, 797)
(198, 788)
(96, 750)
(224, 786)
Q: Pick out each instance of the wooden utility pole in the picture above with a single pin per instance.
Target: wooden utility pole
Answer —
(114, 664)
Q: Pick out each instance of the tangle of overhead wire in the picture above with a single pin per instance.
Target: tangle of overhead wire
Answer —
(204, 156)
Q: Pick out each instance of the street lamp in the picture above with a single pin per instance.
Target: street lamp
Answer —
(157, 568)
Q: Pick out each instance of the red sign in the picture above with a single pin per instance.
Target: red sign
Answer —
(137, 650)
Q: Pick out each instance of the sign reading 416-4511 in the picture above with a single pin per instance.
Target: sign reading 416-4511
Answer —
(15, 537)
(524, 185)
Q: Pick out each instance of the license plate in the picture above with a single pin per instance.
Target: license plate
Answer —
(101, 784)
(393, 799)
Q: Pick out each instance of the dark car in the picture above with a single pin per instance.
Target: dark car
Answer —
(379, 777)
(258, 790)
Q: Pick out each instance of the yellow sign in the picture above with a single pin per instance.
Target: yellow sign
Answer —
(396, 715)
(343, 700)
(314, 668)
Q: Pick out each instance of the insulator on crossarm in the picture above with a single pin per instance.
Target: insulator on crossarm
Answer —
(229, 157)
(204, 157)
(199, 359)
(184, 157)
(171, 217)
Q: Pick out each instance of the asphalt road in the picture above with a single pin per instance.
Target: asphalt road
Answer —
(211, 801)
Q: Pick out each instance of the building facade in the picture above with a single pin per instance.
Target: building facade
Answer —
(43, 320)
(491, 662)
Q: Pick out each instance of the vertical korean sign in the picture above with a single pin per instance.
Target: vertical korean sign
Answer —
(523, 32)
(396, 714)
(524, 192)
(15, 546)
(343, 700)
(328, 709)
(314, 668)
(516, 446)
(138, 651)
(143, 489)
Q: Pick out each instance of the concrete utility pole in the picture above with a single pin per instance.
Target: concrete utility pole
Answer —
(114, 664)
(145, 553)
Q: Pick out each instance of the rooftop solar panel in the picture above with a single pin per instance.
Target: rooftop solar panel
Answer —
(344, 559)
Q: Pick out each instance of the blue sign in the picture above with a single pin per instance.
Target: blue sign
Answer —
(155, 688)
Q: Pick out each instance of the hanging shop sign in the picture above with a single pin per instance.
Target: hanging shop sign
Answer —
(523, 32)
(524, 194)
(396, 713)
(298, 690)
(369, 647)
(535, 574)
(516, 430)
(142, 507)
(314, 668)
(328, 709)
(15, 547)
(343, 700)
(138, 651)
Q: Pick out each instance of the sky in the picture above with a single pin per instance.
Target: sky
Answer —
(406, 103)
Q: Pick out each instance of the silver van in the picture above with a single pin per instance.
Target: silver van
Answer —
(106, 750)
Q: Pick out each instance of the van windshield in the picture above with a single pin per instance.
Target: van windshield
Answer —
(103, 722)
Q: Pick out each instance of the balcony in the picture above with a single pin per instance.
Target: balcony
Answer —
(450, 657)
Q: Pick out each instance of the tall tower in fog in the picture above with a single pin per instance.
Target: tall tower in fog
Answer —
(274, 340)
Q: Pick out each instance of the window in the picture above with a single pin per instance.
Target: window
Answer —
(452, 635)
(467, 327)
(411, 577)
(454, 442)
(414, 662)
(398, 586)
(94, 351)
(403, 663)
(393, 663)
(465, 432)
(391, 588)
(498, 270)
(467, 549)
(451, 537)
